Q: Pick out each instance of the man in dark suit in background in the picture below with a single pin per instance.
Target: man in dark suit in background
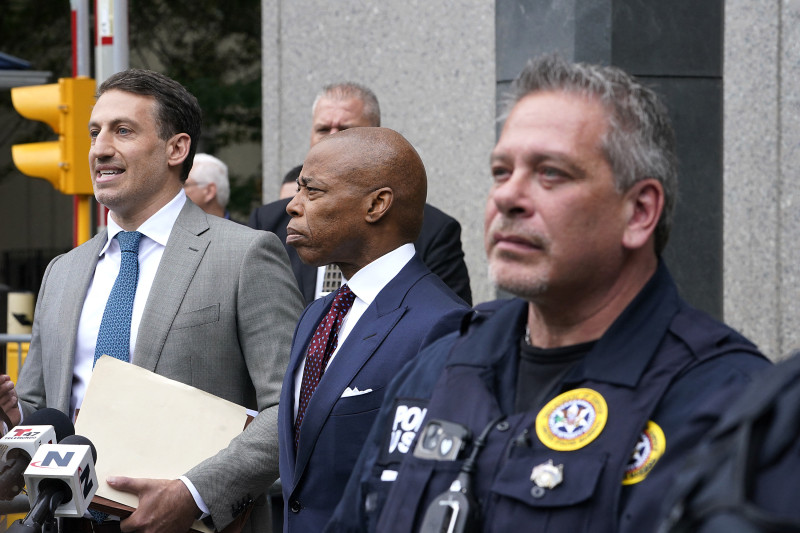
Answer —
(347, 105)
(289, 184)
(359, 206)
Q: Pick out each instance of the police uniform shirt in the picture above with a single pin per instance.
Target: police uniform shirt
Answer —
(541, 371)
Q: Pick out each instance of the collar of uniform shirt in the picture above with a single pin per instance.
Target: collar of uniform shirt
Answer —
(157, 227)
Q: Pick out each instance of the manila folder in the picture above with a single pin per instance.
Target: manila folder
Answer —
(147, 426)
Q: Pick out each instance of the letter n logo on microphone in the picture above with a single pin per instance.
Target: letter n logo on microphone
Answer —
(54, 456)
(86, 480)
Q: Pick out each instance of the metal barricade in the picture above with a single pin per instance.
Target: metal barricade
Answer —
(16, 341)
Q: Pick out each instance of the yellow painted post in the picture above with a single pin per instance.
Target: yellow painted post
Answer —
(83, 219)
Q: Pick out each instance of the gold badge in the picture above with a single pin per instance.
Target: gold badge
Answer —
(572, 420)
(649, 448)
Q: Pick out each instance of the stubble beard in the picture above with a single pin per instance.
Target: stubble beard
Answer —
(509, 272)
(511, 278)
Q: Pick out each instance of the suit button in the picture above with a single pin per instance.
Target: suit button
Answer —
(294, 506)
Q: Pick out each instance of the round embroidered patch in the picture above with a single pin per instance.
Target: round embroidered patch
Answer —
(572, 420)
(649, 448)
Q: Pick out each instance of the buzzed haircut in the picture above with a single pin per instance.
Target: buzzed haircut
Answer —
(348, 89)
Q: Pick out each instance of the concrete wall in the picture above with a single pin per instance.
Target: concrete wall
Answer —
(761, 170)
(432, 66)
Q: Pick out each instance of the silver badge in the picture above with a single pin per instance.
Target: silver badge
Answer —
(547, 475)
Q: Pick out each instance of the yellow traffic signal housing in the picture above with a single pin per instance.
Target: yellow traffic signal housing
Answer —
(66, 107)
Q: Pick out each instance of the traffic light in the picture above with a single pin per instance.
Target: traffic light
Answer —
(66, 107)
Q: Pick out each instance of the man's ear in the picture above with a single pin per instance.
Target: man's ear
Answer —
(210, 192)
(178, 148)
(378, 204)
(644, 203)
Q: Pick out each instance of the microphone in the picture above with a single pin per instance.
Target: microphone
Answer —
(61, 482)
(45, 426)
(61, 479)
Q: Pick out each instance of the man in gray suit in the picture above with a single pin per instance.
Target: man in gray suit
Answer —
(215, 304)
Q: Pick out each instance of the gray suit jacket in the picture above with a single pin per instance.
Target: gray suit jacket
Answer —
(219, 317)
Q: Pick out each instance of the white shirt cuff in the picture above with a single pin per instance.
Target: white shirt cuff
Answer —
(197, 498)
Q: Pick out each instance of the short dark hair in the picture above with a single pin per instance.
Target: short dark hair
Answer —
(177, 110)
(639, 142)
(292, 175)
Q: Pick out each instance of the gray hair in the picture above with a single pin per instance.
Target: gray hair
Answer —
(639, 142)
(349, 89)
(208, 169)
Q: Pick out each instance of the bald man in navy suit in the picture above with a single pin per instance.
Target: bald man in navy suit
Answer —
(359, 206)
(348, 105)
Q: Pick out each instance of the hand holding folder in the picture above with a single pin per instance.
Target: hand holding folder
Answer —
(148, 426)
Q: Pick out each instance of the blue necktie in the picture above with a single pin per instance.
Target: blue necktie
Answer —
(114, 337)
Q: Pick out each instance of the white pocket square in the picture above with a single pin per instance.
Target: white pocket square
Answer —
(354, 392)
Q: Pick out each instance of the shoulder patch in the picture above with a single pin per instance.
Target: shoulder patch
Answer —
(648, 450)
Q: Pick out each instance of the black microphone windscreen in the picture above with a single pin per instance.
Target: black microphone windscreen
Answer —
(80, 439)
(52, 417)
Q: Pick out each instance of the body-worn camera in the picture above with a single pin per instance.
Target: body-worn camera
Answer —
(441, 440)
(455, 510)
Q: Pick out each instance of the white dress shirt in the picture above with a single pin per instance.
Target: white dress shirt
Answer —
(365, 284)
(155, 231)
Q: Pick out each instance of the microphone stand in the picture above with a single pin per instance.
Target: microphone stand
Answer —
(41, 518)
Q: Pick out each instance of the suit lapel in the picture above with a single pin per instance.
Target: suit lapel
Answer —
(305, 329)
(71, 307)
(185, 249)
(367, 336)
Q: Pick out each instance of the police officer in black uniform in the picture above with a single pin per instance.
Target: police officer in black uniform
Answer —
(567, 408)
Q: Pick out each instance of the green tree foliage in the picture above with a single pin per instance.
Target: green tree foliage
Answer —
(213, 48)
(40, 36)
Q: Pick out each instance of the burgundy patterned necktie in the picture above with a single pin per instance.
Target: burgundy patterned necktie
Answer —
(322, 345)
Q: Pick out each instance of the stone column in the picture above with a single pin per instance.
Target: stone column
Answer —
(762, 171)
